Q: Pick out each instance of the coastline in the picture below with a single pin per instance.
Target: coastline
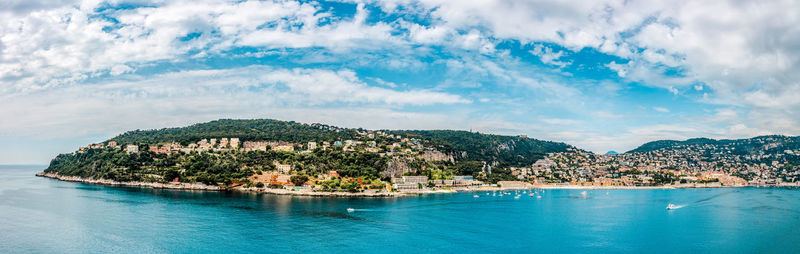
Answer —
(204, 187)
(310, 193)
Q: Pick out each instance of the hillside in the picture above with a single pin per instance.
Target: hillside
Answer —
(660, 144)
(463, 145)
(191, 153)
(257, 129)
(506, 150)
(777, 143)
(762, 149)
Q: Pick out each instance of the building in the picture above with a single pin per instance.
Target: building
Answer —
(235, 143)
(414, 179)
(112, 144)
(132, 149)
(283, 168)
(255, 145)
(512, 184)
(312, 145)
(285, 148)
(405, 186)
(463, 180)
(544, 164)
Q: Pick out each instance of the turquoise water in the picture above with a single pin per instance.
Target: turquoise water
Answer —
(41, 215)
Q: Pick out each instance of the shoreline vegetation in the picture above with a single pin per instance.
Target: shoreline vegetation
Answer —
(312, 193)
(279, 157)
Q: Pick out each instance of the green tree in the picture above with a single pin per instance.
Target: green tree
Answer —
(298, 180)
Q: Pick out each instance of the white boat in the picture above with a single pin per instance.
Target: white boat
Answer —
(516, 197)
(350, 210)
(672, 207)
(538, 196)
(475, 196)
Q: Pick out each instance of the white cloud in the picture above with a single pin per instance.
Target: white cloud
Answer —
(194, 95)
(548, 56)
(61, 59)
(69, 44)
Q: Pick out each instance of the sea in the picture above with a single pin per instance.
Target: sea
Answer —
(40, 215)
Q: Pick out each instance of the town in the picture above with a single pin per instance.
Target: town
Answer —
(682, 166)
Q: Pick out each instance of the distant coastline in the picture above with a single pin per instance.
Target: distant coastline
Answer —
(311, 193)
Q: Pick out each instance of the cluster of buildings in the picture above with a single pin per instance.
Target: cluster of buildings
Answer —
(422, 182)
(758, 161)
(367, 141)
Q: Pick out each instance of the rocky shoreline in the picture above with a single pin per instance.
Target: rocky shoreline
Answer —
(204, 187)
(311, 193)
(177, 186)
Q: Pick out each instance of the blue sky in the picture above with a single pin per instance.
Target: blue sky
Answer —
(600, 75)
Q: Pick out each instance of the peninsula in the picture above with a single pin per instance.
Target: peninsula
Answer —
(284, 157)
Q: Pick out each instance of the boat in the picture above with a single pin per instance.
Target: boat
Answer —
(350, 210)
(516, 197)
(538, 196)
(672, 207)
(475, 196)
(530, 195)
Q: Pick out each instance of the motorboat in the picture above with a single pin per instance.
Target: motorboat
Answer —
(350, 210)
(672, 207)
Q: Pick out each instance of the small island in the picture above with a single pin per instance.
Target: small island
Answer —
(283, 157)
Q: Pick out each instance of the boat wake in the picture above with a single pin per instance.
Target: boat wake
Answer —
(351, 210)
(674, 206)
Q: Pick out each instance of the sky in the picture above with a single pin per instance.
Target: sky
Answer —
(599, 75)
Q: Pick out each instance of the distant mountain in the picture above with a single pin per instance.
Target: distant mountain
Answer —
(612, 153)
(739, 145)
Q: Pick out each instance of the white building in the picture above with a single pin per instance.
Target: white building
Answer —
(132, 148)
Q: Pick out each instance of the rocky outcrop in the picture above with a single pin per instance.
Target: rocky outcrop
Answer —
(178, 186)
(396, 167)
(433, 155)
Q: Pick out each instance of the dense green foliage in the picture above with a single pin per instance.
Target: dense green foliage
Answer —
(659, 144)
(210, 167)
(258, 129)
(470, 151)
(739, 146)
(471, 146)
